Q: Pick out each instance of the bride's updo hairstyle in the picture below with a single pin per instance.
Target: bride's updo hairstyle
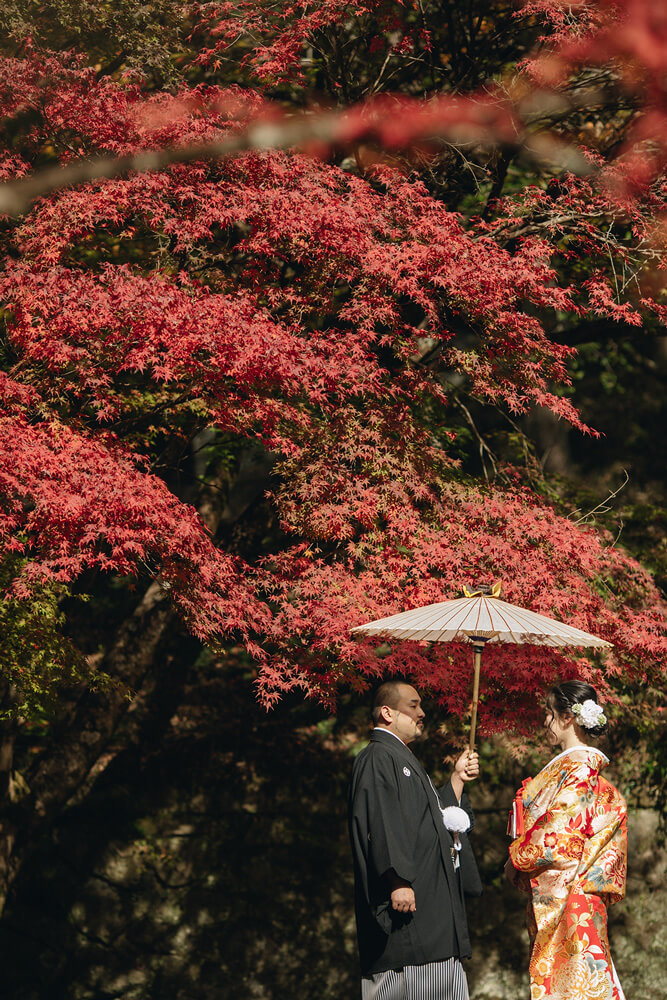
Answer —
(562, 697)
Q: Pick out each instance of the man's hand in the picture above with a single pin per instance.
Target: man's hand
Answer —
(403, 900)
(467, 766)
(465, 769)
(402, 894)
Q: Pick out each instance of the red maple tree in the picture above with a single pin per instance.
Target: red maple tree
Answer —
(330, 315)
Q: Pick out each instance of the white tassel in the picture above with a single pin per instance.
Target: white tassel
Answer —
(456, 820)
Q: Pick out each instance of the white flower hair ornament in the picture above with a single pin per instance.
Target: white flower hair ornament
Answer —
(589, 715)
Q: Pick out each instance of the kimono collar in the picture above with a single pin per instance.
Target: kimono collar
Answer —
(599, 764)
(386, 737)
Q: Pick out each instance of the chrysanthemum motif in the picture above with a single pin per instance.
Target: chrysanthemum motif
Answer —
(583, 980)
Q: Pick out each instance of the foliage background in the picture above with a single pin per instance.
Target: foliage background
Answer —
(162, 835)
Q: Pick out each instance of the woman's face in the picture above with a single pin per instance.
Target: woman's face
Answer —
(554, 727)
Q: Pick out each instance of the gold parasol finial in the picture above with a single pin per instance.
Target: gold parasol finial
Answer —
(484, 590)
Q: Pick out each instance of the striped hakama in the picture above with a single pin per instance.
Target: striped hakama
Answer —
(444, 980)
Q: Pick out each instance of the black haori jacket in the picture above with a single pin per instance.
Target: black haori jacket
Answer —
(395, 822)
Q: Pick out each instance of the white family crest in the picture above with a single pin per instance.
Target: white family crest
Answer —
(407, 772)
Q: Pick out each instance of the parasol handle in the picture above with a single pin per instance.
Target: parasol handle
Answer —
(477, 663)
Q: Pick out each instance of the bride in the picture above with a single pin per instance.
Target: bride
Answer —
(569, 853)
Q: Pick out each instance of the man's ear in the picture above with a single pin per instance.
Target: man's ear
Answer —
(385, 715)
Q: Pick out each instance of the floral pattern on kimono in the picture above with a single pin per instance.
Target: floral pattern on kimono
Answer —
(573, 860)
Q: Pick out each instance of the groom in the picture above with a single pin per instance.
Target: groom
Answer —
(410, 879)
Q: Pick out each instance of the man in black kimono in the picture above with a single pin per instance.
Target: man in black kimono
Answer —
(410, 879)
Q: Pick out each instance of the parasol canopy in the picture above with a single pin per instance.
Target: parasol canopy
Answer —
(479, 617)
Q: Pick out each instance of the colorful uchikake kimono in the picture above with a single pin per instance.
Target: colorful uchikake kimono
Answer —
(570, 847)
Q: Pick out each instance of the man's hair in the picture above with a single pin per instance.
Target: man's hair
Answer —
(387, 694)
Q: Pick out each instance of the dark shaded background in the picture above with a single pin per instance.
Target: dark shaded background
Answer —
(210, 860)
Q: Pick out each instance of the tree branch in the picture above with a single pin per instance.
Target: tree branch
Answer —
(428, 120)
(603, 507)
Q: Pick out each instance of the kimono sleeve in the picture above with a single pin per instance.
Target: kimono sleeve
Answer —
(379, 825)
(557, 838)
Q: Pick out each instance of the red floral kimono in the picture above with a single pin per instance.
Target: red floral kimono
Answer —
(571, 846)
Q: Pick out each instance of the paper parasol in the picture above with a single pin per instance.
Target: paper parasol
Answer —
(478, 617)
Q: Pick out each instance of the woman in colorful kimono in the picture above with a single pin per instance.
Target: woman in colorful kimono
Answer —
(570, 854)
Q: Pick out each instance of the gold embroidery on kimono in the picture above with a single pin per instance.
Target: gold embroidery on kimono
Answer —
(573, 856)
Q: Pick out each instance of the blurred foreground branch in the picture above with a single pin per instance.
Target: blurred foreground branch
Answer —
(391, 123)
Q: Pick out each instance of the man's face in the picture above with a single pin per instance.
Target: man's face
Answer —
(407, 717)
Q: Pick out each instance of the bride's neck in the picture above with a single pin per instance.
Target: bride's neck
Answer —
(571, 739)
